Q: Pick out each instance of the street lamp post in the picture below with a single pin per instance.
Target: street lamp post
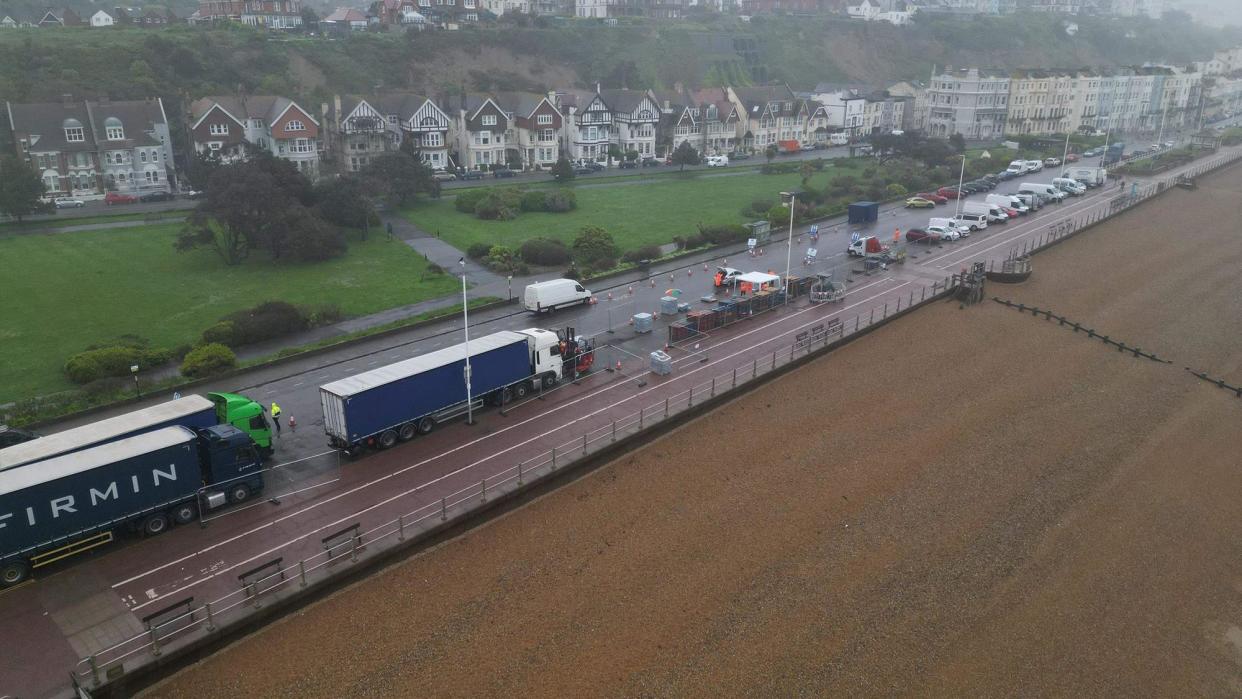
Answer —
(793, 199)
(1107, 133)
(961, 178)
(465, 318)
(1065, 153)
(133, 369)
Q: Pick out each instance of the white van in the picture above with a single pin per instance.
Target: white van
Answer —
(1008, 201)
(554, 294)
(1065, 184)
(839, 139)
(717, 161)
(991, 211)
(973, 222)
(949, 223)
(1034, 165)
(1017, 167)
(1043, 189)
(1030, 201)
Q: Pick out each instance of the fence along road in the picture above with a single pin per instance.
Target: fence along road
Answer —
(460, 468)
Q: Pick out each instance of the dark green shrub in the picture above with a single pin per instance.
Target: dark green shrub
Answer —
(724, 234)
(467, 199)
(544, 251)
(221, 332)
(647, 252)
(478, 251)
(263, 322)
(323, 314)
(102, 362)
(208, 359)
(534, 200)
(499, 205)
(560, 200)
(594, 248)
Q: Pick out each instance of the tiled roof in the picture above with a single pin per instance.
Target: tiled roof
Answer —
(519, 104)
(45, 123)
(345, 14)
(265, 107)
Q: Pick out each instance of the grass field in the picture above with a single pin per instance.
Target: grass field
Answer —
(7, 227)
(69, 290)
(636, 214)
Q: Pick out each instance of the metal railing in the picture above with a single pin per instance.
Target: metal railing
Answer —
(814, 337)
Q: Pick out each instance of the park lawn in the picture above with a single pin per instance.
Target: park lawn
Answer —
(635, 214)
(69, 290)
(15, 228)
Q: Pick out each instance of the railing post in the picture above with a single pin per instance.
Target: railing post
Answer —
(483, 490)
(302, 573)
(734, 378)
(923, 294)
(911, 301)
(553, 458)
(614, 430)
(754, 370)
(666, 408)
(584, 443)
(713, 387)
(211, 622)
(519, 473)
(690, 400)
(353, 547)
(155, 642)
(443, 509)
(855, 322)
(400, 527)
(641, 411)
(253, 588)
(871, 320)
(774, 360)
(90, 661)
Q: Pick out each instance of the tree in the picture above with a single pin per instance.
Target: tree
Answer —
(631, 155)
(684, 155)
(614, 152)
(400, 177)
(958, 142)
(562, 171)
(245, 208)
(342, 201)
(21, 190)
(200, 169)
(806, 170)
(770, 152)
(594, 248)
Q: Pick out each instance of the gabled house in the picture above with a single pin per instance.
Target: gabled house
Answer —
(224, 124)
(357, 129)
(69, 18)
(151, 19)
(51, 18)
(344, 20)
(478, 127)
(705, 118)
(535, 124)
(635, 116)
(767, 115)
(7, 22)
(101, 19)
(423, 123)
(588, 125)
(272, 14)
(398, 12)
(85, 148)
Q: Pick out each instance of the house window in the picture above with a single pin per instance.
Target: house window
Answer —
(295, 125)
(74, 134)
(592, 134)
(543, 119)
(142, 155)
(469, 4)
(218, 129)
(432, 140)
(301, 145)
(547, 135)
(116, 133)
(489, 119)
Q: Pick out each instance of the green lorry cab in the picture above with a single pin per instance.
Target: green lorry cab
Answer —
(246, 415)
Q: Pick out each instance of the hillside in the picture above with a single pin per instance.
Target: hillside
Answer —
(185, 61)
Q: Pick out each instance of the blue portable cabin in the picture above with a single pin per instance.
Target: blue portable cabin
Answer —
(362, 406)
(73, 502)
(195, 412)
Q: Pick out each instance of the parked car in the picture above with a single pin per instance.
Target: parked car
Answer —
(156, 196)
(582, 170)
(932, 197)
(944, 232)
(118, 198)
(1071, 158)
(1154, 147)
(472, 175)
(920, 203)
(443, 176)
(69, 203)
(918, 235)
(807, 147)
(651, 162)
(948, 192)
(1092, 152)
(592, 165)
(1052, 162)
(628, 165)
(717, 161)
(503, 172)
(1168, 144)
(1012, 213)
(193, 194)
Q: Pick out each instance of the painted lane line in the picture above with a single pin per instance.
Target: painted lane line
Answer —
(489, 457)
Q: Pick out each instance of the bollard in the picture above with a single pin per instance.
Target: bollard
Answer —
(713, 387)
(773, 359)
(665, 408)
(754, 370)
(211, 622)
(90, 660)
(855, 322)
(923, 294)
(519, 473)
(690, 400)
(483, 490)
(302, 573)
(614, 430)
(911, 301)
(400, 527)
(253, 588)
(553, 458)
(734, 378)
(898, 305)
(641, 412)
(353, 548)
(584, 444)
(443, 509)
(871, 320)
(155, 643)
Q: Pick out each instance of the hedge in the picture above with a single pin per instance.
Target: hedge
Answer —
(266, 321)
(102, 362)
(208, 359)
(544, 251)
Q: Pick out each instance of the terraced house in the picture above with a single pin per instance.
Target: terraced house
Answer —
(477, 129)
(224, 125)
(705, 118)
(769, 113)
(85, 148)
(636, 115)
(357, 129)
(535, 124)
(587, 130)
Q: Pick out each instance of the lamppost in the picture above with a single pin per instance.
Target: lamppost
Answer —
(510, 279)
(1065, 153)
(793, 200)
(133, 369)
(465, 324)
(961, 178)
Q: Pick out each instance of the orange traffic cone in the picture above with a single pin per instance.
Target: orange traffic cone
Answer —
(609, 295)
(689, 271)
(704, 266)
(653, 282)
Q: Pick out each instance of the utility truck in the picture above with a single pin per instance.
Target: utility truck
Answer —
(392, 404)
(79, 501)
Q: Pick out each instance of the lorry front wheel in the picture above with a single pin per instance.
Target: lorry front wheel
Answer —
(387, 439)
(155, 524)
(239, 493)
(549, 380)
(520, 390)
(184, 513)
(14, 572)
(426, 425)
(406, 432)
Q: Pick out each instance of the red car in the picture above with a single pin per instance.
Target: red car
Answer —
(117, 198)
(932, 196)
(1071, 158)
(918, 235)
(948, 192)
(1013, 213)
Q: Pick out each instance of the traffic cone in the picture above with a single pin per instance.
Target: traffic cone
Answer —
(293, 424)
(618, 365)
(689, 271)
(631, 291)
(704, 266)
(609, 295)
(593, 301)
(653, 282)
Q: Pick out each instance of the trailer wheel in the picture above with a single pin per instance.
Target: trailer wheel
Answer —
(239, 493)
(184, 513)
(155, 524)
(406, 432)
(14, 572)
(426, 425)
(387, 439)
(520, 390)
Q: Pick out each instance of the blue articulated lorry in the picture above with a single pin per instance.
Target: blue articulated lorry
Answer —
(381, 407)
(79, 501)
